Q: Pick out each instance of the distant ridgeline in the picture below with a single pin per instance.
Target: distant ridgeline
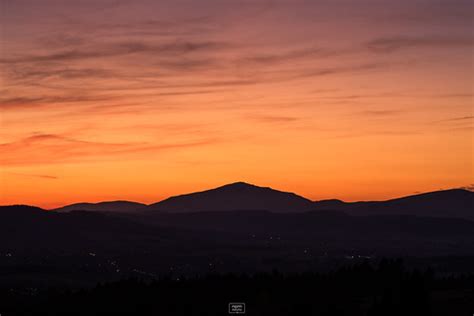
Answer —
(240, 196)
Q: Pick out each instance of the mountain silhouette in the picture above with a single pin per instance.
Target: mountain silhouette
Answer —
(456, 203)
(236, 196)
(13, 212)
(241, 196)
(109, 206)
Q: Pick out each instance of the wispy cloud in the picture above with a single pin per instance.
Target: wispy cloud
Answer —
(456, 124)
(273, 119)
(172, 48)
(27, 175)
(392, 44)
(379, 113)
(349, 69)
(51, 148)
(19, 102)
(292, 55)
(459, 119)
(42, 72)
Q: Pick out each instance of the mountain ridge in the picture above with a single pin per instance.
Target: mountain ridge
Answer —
(242, 196)
(457, 203)
(234, 196)
(121, 206)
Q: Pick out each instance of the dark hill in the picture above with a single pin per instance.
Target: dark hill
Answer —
(236, 196)
(111, 206)
(456, 203)
(11, 212)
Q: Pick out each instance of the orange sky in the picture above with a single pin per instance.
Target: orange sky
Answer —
(139, 100)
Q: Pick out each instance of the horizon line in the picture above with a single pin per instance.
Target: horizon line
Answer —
(468, 189)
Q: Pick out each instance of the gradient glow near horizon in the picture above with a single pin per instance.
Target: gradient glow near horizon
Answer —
(139, 100)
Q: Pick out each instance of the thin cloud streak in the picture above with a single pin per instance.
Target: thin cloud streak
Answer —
(41, 176)
(379, 113)
(119, 49)
(50, 149)
(273, 118)
(393, 44)
(457, 119)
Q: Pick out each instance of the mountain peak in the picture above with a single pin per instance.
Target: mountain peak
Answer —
(240, 185)
(237, 196)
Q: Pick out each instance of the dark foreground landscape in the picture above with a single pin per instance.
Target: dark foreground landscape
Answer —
(279, 253)
(361, 289)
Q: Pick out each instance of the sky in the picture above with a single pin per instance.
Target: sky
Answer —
(140, 100)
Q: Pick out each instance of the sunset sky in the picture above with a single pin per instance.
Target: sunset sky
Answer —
(140, 100)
